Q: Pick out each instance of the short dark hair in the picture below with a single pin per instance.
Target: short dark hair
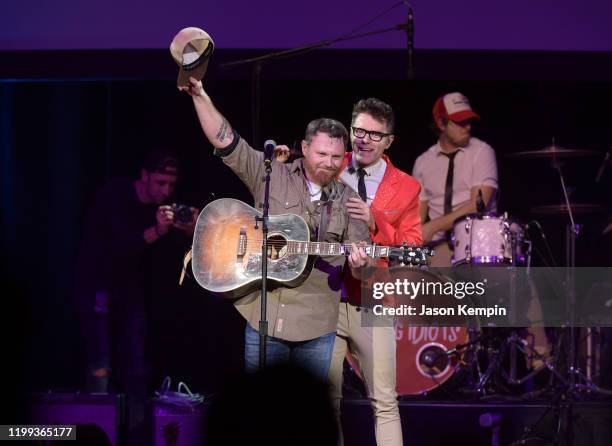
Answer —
(331, 127)
(379, 110)
(161, 160)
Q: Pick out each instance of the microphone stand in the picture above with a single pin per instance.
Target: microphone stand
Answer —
(258, 63)
(263, 322)
(410, 39)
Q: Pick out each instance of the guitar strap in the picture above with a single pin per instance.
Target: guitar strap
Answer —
(186, 261)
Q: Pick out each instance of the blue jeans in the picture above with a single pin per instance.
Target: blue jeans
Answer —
(313, 355)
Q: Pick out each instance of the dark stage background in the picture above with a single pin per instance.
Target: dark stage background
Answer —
(69, 121)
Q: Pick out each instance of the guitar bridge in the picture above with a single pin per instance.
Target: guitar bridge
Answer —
(242, 245)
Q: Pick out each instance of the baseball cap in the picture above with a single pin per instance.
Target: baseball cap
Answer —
(191, 49)
(161, 161)
(455, 107)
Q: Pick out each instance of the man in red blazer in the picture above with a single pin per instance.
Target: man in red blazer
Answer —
(390, 206)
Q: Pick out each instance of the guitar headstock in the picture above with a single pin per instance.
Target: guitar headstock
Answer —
(411, 255)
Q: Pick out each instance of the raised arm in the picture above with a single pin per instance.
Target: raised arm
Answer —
(216, 128)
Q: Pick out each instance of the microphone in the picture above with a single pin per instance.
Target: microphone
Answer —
(604, 164)
(432, 357)
(480, 206)
(429, 359)
(410, 42)
(269, 146)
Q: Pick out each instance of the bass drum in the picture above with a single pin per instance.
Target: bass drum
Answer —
(422, 346)
(422, 362)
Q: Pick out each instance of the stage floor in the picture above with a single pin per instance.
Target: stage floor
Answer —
(437, 423)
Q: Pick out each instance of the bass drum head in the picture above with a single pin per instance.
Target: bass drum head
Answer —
(422, 362)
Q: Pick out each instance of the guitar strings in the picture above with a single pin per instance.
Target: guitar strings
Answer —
(256, 245)
(295, 243)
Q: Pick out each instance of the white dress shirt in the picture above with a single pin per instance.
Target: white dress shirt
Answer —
(475, 165)
(372, 179)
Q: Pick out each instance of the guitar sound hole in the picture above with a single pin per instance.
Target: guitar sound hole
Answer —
(277, 247)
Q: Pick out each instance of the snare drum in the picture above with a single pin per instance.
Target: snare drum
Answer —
(488, 239)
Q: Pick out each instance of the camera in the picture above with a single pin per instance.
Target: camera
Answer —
(182, 213)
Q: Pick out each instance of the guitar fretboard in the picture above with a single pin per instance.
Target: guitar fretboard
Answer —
(333, 249)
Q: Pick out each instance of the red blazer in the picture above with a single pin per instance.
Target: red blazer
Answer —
(396, 212)
(395, 207)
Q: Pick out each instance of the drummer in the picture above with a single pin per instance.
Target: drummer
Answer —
(452, 172)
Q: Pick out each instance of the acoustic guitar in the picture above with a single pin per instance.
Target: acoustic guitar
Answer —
(227, 249)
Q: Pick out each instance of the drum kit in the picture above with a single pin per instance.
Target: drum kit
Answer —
(483, 361)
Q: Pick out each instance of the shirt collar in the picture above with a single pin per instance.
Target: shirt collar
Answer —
(438, 149)
(327, 192)
(370, 170)
(297, 166)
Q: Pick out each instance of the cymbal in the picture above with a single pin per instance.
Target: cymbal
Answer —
(577, 208)
(553, 152)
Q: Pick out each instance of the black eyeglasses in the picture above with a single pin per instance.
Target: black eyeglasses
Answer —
(374, 136)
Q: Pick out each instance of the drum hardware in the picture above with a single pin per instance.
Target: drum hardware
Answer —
(572, 232)
(480, 206)
(494, 240)
(538, 226)
(494, 364)
(555, 406)
(529, 351)
(592, 361)
(511, 345)
(432, 356)
(555, 154)
(495, 351)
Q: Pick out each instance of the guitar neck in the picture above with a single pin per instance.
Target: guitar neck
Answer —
(333, 249)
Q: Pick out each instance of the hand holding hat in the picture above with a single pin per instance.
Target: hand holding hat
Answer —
(194, 88)
(191, 49)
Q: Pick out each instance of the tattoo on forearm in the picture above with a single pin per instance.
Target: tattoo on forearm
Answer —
(222, 134)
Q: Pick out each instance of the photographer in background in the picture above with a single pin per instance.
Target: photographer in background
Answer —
(126, 224)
